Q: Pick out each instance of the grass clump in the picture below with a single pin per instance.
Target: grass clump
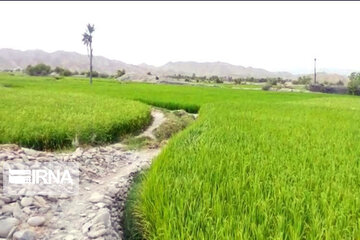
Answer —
(135, 142)
(175, 122)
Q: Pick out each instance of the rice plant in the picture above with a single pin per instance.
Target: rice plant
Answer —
(254, 165)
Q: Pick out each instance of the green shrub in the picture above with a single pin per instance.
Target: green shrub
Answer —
(175, 122)
(354, 84)
(38, 70)
(104, 75)
(215, 79)
(97, 74)
(94, 74)
(63, 71)
(304, 80)
(272, 81)
(266, 87)
(120, 73)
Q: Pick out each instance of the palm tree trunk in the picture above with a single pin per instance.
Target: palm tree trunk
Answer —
(91, 67)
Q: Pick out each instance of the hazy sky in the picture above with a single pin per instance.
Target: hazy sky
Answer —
(277, 36)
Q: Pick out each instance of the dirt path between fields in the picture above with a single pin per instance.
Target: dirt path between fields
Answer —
(94, 213)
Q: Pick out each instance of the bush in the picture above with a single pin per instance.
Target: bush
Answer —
(266, 87)
(304, 80)
(38, 70)
(175, 122)
(354, 84)
(97, 74)
(63, 71)
(104, 75)
(94, 74)
(215, 79)
(327, 89)
(120, 73)
(272, 81)
(237, 80)
(340, 83)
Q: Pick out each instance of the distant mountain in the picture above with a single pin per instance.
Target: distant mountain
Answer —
(345, 72)
(323, 77)
(220, 69)
(11, 59)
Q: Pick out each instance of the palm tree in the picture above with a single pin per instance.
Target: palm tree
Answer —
(315, 70)
(87, 40)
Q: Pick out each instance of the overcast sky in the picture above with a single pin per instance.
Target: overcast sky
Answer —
(277, 36)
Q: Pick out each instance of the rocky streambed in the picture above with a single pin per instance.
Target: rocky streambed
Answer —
(105, 174)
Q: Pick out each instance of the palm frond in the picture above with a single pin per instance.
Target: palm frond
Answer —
(86, 38)
(90, 28)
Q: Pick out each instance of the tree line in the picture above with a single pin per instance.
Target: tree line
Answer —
(221, 79)
(42, 69)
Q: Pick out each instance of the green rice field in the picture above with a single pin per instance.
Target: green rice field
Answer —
(36, 117)
(254, 165)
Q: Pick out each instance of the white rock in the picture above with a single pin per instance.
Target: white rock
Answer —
(27, 210)
(15, 198)
(24, 235)
(102, 218)
(78, 152)
(22, 192)
(7, 225)
(97, 233)
(100, 205)
(30, 152)
(63, 196)
(44, 210)
(26, 201)
(86, 227)
(40, 201)
(3, 156)
(8, 208)
(36, 221)
(52, 198)
(96, 197)
(17, 213)
(70, 237)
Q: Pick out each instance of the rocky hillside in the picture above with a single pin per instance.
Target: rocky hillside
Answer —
(10, 59)
(334, 78)
(220, 69)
